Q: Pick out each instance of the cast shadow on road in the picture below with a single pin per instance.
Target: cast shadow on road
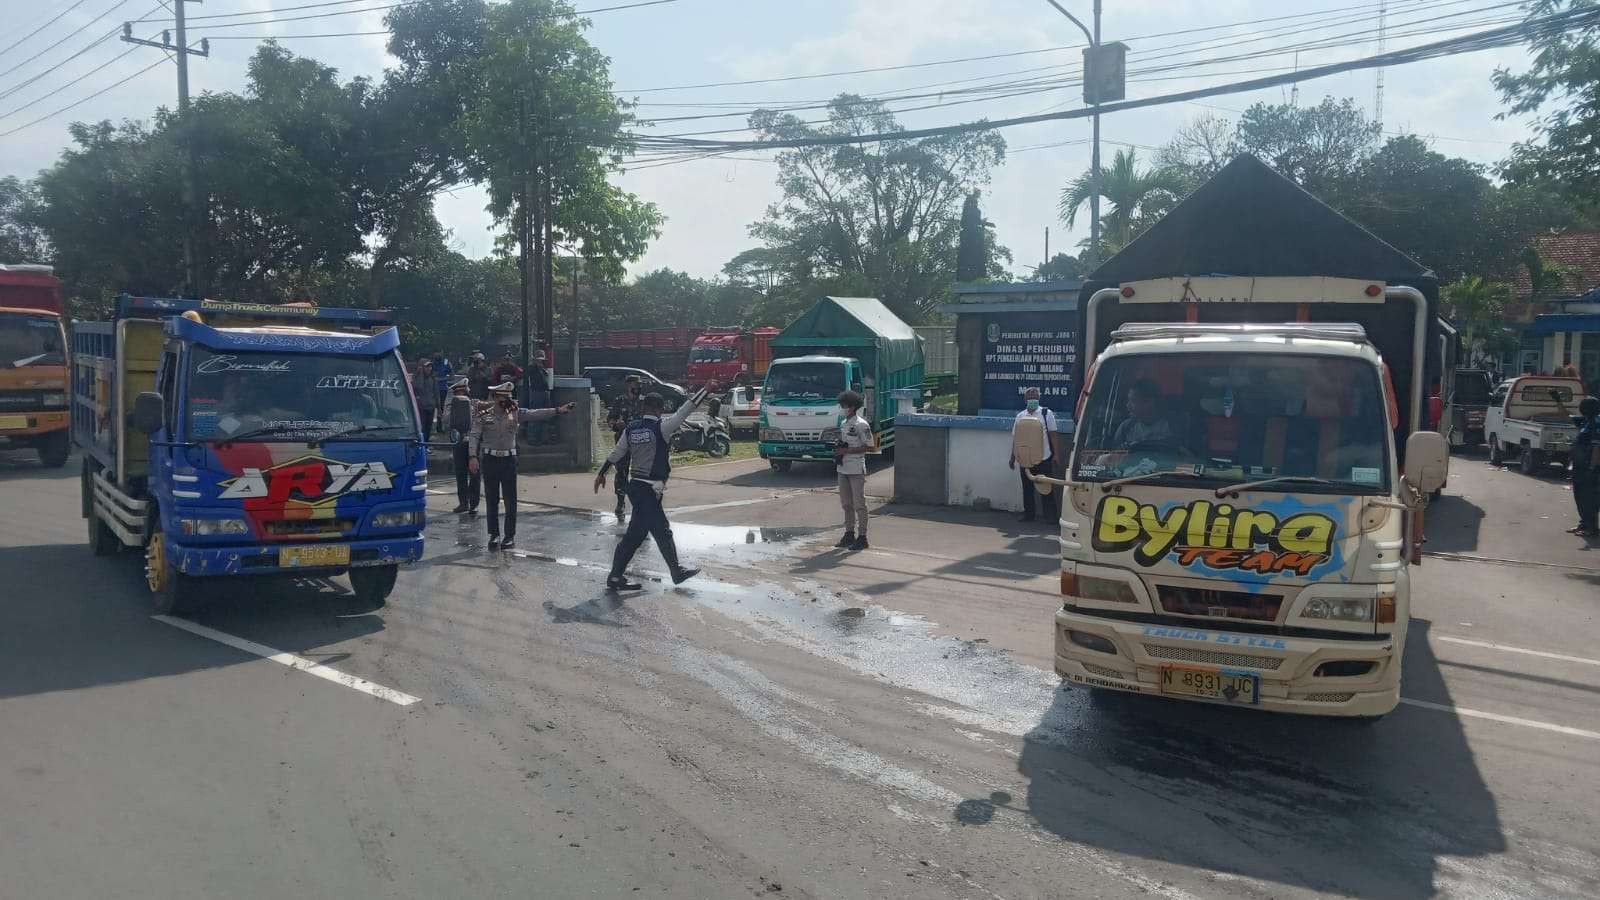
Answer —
(1453, 525)
(69, 620)
(800, 475)
(1325, 805)
(19, 464)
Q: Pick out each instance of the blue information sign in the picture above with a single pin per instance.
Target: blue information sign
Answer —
(1023, 350)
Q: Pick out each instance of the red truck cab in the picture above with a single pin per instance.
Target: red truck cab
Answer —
(723, 354)
(33, 363)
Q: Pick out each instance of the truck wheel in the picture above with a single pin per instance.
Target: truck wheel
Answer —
(174, 591)
(372, 584)
(1497, 456)
(55, 450)
(781, 465)
(1531, 460)
(718, 445)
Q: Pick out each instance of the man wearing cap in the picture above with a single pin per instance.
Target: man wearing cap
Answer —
(646, 445)
(469, 482)
(494, 438)
(478, 377)
(507, 369)
(423, 387)
(624, 408)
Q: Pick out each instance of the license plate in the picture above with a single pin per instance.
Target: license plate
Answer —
(13, 421)
(316, 555)
(1214, 684)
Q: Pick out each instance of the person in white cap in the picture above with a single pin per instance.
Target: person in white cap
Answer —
(494, 439)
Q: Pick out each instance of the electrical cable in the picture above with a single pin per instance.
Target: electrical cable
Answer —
(85, 49)
(78, 103)
(76, 31)
(638, 4)
(56, 90)
(56, 18)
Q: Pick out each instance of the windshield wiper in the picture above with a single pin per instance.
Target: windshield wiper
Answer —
(359, 429)
(1106, 486)
(1298, 479)
(258, 432)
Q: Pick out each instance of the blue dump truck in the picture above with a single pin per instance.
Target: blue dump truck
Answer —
(842, 343)
(228, 439)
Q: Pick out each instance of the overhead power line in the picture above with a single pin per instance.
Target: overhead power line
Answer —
(69, 36)
(54, 19)
(1552, 24)
(6, 92)
(74, 105)
(270, 17)
(56, 90)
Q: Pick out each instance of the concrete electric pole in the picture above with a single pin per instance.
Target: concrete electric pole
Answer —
(182, 51)
(1104, 79)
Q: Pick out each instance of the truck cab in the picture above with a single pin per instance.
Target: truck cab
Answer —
(33, 363)
(242, 440)
(800, 407)
(1237, 527)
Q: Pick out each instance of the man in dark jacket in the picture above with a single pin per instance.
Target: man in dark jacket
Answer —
(624, 408)
(1586, 468)
(478, 377)
(458, 415)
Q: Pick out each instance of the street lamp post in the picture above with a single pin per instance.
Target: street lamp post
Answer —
(1093, 256)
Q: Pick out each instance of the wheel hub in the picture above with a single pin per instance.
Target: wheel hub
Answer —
(155, 563)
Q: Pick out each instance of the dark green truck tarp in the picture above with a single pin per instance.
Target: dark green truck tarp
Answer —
(858, 323)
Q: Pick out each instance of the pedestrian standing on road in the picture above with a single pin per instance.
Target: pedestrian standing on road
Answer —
(469, 481)
(441, 381)
(494, 438)
(1586, 468)
(646, 445)
(624, 408)
(1032, 419)
(422, 386)
(507, 369)
(478, 377)
(856, 440)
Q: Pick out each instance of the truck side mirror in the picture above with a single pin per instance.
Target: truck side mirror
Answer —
(1427, 461)
(147, 412)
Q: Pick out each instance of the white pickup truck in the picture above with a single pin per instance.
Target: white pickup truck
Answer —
(1530, 420)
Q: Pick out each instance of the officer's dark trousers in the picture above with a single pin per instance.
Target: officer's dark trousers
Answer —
(1586, 494)
(468, 484)
(500, 481)
(648, 519)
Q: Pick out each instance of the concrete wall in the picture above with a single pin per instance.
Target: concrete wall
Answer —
(919, 465)
(969, 350)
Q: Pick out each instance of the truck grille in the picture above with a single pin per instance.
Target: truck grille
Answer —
(1191, 601)
(801, 435)
(1213, 657)
(1329, 697)
(1101, 671)
(310, 527)
(25, 400)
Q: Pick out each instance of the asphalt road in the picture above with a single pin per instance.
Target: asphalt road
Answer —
(502, 728)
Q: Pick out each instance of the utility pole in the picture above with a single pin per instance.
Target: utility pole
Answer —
(193, 285)
(1104, 76)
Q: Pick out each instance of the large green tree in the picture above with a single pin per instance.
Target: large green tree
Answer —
(1561, 87)
(1320, 147)
(21, 238)
(881, 219)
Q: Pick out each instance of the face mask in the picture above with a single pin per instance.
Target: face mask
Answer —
(1033, 404)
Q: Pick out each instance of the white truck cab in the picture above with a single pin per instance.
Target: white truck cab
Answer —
(1236, 527)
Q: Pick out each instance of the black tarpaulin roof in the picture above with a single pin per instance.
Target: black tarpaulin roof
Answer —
(1250, 221)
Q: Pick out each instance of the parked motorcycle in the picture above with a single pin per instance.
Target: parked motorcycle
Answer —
(710, 436)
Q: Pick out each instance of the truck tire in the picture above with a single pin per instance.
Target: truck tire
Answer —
(172, 591)
(1497, 457)
(781, 465)
(372, 584)
(55, 450)
(1531, 461)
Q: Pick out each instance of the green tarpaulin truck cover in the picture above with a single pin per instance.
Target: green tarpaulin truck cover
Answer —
(856, 322)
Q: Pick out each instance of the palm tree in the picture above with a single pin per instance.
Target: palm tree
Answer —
(1135, 197)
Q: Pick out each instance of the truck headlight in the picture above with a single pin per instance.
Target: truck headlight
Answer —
(397, 519)
(772, 434)
(830, 435)
(56, 400)
(1088, 587)
(213, 526)
(1343, 609)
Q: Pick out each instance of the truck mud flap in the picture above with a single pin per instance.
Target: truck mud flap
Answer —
(124, 515)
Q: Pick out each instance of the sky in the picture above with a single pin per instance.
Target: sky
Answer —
(794, 50)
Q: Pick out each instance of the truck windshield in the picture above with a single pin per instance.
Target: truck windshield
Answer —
(296, 395)
(1223, 418)
(800, 381)
(30, 341)
(712, 354)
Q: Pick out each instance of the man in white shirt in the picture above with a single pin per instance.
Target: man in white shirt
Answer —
(1037, 417)
(850, 460)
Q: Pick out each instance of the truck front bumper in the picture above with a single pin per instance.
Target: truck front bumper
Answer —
(816, 450)
(24, 427)
(1285, 666)
(262, 559)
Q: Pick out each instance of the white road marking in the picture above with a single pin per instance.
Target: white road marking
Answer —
(292, 661)
(1509, 720)
(1509, 649)
(731, 503)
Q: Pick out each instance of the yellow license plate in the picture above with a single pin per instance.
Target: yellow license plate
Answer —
(317, 555)
(13, 421)
(1213, 684)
